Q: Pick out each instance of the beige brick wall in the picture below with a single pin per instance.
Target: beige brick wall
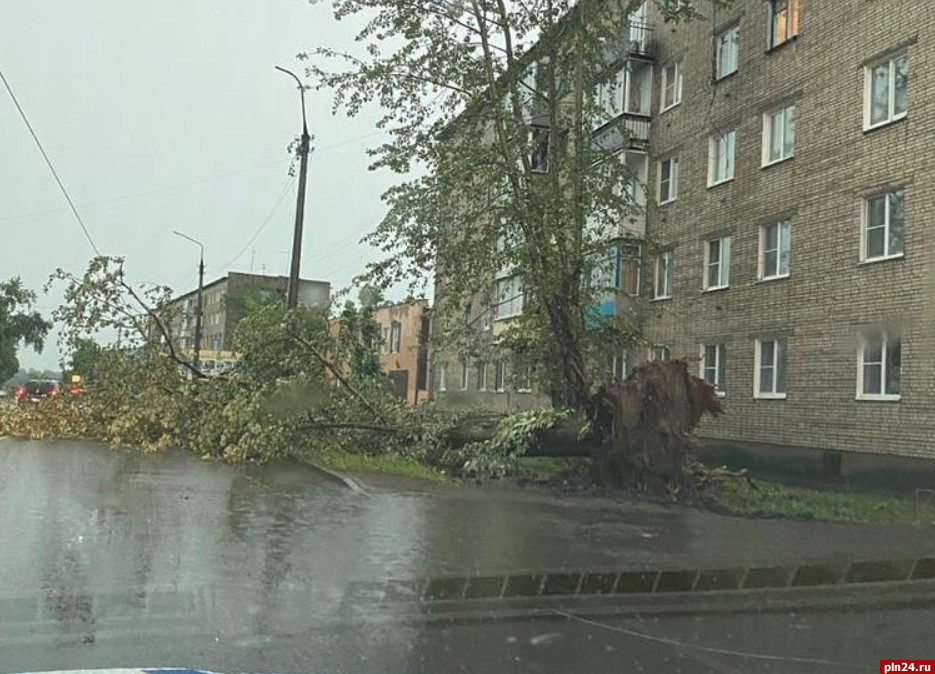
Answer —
(829, 294)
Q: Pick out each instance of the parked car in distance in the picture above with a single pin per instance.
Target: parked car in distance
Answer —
(36, 391)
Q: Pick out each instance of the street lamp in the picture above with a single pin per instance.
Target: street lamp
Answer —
(196, 357)
(292, 298)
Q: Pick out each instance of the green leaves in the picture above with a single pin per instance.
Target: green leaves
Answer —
(304, 385)
(19, 325)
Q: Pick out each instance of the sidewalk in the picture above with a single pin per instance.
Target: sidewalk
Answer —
(589, 534)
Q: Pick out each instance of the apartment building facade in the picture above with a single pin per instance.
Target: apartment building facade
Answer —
(780, 148)
(489, 376)
(790, 187)
(220, 318)
(404, 357)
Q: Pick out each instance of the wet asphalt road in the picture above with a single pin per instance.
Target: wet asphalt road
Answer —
(116, 559)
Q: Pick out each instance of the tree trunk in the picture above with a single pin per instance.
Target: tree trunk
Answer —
(561, 441)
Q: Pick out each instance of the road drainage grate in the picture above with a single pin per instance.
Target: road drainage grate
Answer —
(666, 581)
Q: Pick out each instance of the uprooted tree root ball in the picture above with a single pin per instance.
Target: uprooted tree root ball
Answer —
(647, 424)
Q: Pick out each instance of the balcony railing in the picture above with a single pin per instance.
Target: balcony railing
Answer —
(637, 127)
(640, 40)
(628, 130)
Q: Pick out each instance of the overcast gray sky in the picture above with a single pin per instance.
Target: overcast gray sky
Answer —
(168, 114)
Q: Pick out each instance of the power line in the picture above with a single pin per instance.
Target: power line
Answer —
(196, 181)
(282, 195)
(48, 161)
(157, 190)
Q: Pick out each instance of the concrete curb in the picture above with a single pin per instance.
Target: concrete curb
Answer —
(337, 477)
(903, 582)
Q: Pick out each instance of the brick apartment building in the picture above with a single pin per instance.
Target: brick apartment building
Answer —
(787, 251)
(790, 164)
(220, 320)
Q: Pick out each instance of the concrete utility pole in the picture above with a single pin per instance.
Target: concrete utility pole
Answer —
(292, 298)
(199, 309)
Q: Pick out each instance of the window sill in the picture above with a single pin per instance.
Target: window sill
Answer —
(883, 258)
(671, 107)
(720, 394)
(667, 201)
(501, 319)
(879, 397)
(776, 47)
(882, 125)
(714, 289)
(661, 299)
(771, 279)
(721, 182)
(524, 390)
(726, 76)
(769, 396)
(774, 162)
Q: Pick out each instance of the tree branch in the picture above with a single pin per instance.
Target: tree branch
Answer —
(337, 374)
(163, 330)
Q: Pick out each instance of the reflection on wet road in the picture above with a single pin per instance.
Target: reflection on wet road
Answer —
(115, 559)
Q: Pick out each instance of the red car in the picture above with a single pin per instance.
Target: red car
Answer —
(36, 391)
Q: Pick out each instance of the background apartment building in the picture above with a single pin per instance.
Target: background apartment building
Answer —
(791, 179)
(404, 347)
(221, 317)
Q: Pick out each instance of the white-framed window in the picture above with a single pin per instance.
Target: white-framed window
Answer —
(499, 377)
(879, 365)
(465, 376)
(385, 344)
(442, 377)
(726, 51)
(618, 367)
(783, 22)
(778, 135)
(509, 300)
(721, 158)
(668, 180)
(663, 275)
(775, 250)
(627, 268)
(396, 335)
(659, 352)
(713, 365)
(639, 89)
(522, 374)
(482, 375)
(671, 86)
(883, 226)
(717, 263)
(886, 91)
(770, 368)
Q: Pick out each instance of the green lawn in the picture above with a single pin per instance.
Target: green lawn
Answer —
(548, 466)
(768, 499)
(377, 463)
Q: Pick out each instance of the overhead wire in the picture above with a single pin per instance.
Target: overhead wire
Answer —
(263, 224)
(48, 161)
(157, 190)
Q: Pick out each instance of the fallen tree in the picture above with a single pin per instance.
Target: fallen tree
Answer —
(648, 444)
(304, 389)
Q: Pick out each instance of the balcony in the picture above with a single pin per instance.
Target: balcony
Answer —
(637, 127)
(640, 41)
(630, 130)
